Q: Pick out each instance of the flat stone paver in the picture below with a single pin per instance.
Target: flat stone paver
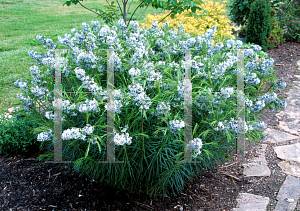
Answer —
(250, 202)
(256, 170)
(288, 194)
(258, 165)
(261, 159)
(291, 168)
(287, 126)
(288, 152)
(276, 136)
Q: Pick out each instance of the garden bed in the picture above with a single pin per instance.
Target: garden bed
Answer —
(27, 185)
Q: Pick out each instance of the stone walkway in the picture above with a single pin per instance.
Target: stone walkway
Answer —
(289, 192)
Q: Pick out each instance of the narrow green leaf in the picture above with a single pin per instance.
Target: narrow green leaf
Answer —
(193, 9)
(68, 3)
(87, 150)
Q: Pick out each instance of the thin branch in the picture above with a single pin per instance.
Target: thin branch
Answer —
(94, 12)
(120, 8)
(134, 12)
(229, 175)
(129, 6)
(111, 8)
(144, 11)
(124, 9)
(166, 16)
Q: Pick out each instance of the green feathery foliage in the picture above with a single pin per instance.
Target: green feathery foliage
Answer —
(259, 25)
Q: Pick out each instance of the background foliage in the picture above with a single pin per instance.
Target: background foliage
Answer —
(214, 15)
(259, 25)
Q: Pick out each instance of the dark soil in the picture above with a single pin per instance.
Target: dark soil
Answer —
(27, 184)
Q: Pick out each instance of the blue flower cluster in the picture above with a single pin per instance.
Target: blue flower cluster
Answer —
(260, 104)
(268, 97)
(146, 75)
(20, 83)
(195, 145)
(176, 125)
(281, 84)
(248, 52)
(266, 64)
(45, 136)
(47, 43)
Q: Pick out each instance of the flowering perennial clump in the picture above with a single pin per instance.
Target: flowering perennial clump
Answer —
(149, 93)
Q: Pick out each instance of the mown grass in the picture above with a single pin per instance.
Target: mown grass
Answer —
(23, 20)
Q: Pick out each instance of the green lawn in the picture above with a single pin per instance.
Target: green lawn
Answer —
(22, 20)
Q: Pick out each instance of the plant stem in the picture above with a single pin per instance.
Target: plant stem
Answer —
(166, 16)
(133, 13)
(94, 12)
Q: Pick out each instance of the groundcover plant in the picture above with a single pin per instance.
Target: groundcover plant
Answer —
(148, 104)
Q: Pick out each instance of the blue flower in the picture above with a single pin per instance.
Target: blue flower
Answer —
(281, 84)
(134, 25)
(248, 52)
(229, 43)
(164, 25)
(191, 42)
(264, 137)
(218, 47)
(268, 97)
(160, 43)
(256, 48)
(86, 28)
(282, 104)
(251, 65)
(155, 25)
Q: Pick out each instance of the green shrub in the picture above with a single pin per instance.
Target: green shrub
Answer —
(288, 17)
(215, 17)
(259, 25)
(17, 135)
(240, 10)
(149, 102)
(276, 38)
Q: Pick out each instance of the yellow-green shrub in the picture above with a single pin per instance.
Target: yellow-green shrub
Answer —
(215, 16)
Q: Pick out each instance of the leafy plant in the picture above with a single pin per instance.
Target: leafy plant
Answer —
(259, 26)
(148, 103)
(17, 135)
(276, 37)
(288, 16)
(176, 7)
(215, 16)
(239, 10)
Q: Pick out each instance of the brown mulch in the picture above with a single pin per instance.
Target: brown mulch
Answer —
(26, 184)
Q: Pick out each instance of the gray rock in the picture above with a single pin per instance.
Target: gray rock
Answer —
(276, 136)
(250, 202)
(290, 127)
(290, 168)
(288, 194)
(258, 165)
(256, 170)
(288, 152)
